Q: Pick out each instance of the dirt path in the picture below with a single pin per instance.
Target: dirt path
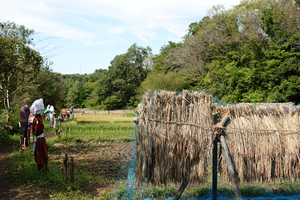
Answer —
(6, 189)
(5, 182)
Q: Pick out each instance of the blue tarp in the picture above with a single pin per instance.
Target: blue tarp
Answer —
(256, 198)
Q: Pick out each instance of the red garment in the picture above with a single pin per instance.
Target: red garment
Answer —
(40, 150)
(40, 125)
(41, 147)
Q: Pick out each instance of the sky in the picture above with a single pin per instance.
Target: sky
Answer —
(82, 36)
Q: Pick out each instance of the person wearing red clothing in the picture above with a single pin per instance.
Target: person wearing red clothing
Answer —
(39, 147)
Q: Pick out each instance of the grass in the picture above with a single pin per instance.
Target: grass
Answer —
(9, 139)
(107, 118)
(98, 148)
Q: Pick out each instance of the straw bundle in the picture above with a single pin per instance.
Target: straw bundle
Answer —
(169, 145)
(174, 138)
(264, 141)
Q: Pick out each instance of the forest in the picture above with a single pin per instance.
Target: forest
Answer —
(249, 53)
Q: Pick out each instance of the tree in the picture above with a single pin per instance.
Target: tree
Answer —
(16, 32)
(18, 65)
(118, 85)
(47, 85)
(170, 81)
(76, 95)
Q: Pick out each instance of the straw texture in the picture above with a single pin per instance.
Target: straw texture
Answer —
(174, 138)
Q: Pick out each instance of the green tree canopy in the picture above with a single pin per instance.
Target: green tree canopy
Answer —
(247, 53)
(118, 85)
(19, 64)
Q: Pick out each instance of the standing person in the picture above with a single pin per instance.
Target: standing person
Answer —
(65, 113)
(24, 114)
(40, 148)
(72, 107)
(68, 113)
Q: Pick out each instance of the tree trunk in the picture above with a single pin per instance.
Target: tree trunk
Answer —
(7, 101)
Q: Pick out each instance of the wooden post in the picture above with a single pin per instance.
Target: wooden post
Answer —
(28, 136)
(24, 145)
(230, 168)
(228, 159)
(182, 187)
(21, 137)
(72, 170)
(66, 165)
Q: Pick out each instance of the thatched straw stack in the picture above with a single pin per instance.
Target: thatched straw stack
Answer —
(174, 138)
(170, 146)
(264, 141)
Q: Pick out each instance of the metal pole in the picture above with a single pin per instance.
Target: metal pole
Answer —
(215, 159)
(214, 176)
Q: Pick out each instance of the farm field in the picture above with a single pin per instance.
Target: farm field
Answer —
(99, 148)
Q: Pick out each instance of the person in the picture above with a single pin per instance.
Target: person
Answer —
(40, 148)
(72, 108)
(24, 114)
(65, 113)
(68, 113)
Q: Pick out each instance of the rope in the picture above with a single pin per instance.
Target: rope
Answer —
(208, 126)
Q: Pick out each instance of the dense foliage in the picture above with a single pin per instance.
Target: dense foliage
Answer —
(24, 76)
(249, 53)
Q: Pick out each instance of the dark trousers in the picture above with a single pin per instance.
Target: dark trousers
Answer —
(24, 127)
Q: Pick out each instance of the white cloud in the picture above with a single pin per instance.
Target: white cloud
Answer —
(86, 20)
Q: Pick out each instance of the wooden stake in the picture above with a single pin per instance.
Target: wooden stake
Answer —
(28, 137)
(182, 187)
(72, 170)
(66, 165)
(230, 168)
